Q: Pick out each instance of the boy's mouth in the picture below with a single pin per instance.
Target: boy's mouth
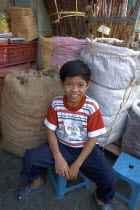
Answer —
(74, 96)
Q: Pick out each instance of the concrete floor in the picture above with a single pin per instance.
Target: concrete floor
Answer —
(80, 199)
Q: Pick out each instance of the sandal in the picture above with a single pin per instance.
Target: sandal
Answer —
(27, 192)
(101, 207)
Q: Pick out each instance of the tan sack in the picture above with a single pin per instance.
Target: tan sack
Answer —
(23, 23)
(25, 101)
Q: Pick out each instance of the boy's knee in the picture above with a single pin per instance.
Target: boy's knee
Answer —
(111, 178)
(28, 156)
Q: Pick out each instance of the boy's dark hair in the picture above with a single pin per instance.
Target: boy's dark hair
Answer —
(75, 68)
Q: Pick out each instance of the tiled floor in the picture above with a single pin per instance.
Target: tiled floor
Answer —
(80, 199)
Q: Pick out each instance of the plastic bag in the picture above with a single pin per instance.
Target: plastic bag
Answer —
(4, 26)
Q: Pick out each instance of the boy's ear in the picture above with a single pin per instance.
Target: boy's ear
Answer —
(88, 84)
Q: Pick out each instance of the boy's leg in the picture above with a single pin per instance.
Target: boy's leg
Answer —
(35, 159)
(33, 162)
(97, 169)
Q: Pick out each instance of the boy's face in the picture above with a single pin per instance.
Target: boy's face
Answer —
(74, 88)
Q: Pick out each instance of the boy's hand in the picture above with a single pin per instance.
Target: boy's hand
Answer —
(61, 167)
(74, 169)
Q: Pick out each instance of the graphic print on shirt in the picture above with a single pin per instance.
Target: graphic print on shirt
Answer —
(72, 131)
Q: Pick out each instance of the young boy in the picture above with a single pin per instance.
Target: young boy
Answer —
(73, 124)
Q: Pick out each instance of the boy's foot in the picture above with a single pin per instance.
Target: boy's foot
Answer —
(28, 190)
(101, 207)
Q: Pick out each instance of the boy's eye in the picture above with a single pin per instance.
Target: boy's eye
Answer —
(81, 85)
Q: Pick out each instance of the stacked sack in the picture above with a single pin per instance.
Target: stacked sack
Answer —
(56, 51)
(25, 100)
(114, 84)
(23, 23)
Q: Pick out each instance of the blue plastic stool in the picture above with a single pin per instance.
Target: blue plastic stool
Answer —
(128, 169)
(60, 184)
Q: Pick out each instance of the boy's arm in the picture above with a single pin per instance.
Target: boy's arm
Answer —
(61, 166)
(74, 167)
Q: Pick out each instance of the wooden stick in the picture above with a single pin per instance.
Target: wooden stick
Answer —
(128, 41)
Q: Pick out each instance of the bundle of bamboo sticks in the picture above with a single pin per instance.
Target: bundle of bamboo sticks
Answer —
(67, 17)
(118, 9)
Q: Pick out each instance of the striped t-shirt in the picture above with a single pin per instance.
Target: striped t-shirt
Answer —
(74, 125)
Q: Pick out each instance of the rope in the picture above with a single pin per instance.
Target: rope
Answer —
(56, 21)
(57, 10)
(73, 13)
(67, 12)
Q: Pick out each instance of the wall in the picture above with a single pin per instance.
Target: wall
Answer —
(5, 4)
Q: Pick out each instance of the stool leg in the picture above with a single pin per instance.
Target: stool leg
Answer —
(61, 186)
(88, 182)
(134, 198)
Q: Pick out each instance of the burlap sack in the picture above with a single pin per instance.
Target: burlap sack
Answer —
(21, 11)
(45, 52)
(23, 23)
(25, 101)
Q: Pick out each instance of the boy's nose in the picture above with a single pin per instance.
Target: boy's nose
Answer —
(75, 88)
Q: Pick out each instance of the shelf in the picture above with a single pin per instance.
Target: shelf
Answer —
(114, 148)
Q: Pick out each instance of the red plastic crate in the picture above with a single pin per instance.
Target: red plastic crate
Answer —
(1, 87)
(12, 54)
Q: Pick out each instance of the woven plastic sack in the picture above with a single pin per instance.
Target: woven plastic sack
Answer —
(115, 126)
(114, 82)
(25, 101)
(110, 99)
(112, 67)
(56, 51)
(131, 136)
